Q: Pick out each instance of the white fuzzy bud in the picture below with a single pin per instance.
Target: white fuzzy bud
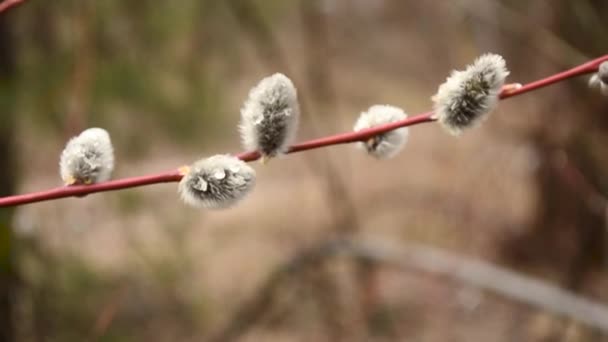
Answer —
(600, 79)
(385, 145)
(87, 158)
(216, 182)
(269, 117)
(466, 98)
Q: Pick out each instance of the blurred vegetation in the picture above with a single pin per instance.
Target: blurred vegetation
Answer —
(146, 65)
(166, 79)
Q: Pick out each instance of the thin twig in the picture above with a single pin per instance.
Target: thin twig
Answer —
(343, 138)
(582, 69)
(6, 4)
(108, 313)
(82, 190)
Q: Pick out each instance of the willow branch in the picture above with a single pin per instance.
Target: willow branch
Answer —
(338, 139)
(586, 68)
(7, 4)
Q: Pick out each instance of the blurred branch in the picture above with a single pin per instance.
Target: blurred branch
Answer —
(574, 177)
(108, 313)
(486, 276)
(343, 138)
(595, 200)
(413, 257)
(7, 4)
(252, 310)
(555, 48)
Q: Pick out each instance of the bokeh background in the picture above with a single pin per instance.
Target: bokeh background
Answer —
(526, 191)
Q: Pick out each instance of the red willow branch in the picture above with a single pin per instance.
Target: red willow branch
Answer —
(586, 68)
(6, 4)
(343, 138)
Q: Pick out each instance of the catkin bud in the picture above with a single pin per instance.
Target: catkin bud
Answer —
(87, 158)
(385, 145)
(269, 117)
(216, 182)
(466, 98)
(600, 79)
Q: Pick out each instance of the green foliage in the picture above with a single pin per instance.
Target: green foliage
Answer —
(130, 66)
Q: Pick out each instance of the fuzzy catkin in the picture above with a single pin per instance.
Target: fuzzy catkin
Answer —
(269, 116)
(87, 158)
(467, 97)
(600, 79)
(216, 182)
(385, 145)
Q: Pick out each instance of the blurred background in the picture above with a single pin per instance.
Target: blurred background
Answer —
(526, 191)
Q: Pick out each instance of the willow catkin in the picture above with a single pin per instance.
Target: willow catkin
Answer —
(87, 158)
(216, 182)
(467, 97)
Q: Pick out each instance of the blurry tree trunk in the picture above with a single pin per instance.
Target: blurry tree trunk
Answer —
(320, 101)
(345, 222)
(7, 178)
(339, 320)
(567, 234)
(249, 16)
(585, 147)
(82, 73)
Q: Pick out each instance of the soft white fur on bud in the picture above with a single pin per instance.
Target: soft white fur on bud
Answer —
(216, 182)
(385, 145)
(269, 117)
(600, 79)
(87, 158)
(467, 97)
